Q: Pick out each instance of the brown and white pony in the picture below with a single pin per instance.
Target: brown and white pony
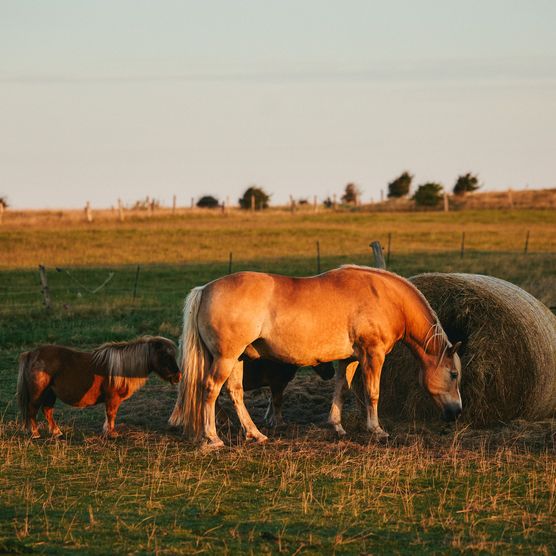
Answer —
(258, 373)
(350, 312)
(111, 374)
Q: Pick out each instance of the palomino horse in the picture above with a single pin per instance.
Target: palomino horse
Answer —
(110, 374)
(258, 373)
(348, 312)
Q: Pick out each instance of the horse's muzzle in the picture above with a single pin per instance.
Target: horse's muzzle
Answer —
(452, 411)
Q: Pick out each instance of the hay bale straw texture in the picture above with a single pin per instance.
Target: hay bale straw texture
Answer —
(508, 353)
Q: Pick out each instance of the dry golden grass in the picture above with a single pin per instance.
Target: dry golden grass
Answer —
(28, 239)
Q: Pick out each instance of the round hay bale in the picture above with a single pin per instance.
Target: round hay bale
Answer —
(508, 352)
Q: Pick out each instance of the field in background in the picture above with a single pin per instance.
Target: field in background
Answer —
(431, 488)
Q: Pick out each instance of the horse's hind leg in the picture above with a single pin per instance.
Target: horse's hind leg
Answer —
(48, 401)
(235, 388)
(335, 416)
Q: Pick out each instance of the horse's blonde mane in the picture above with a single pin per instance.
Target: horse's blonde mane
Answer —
(435, 333)
(127, 363)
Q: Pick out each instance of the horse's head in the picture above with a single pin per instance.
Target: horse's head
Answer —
(162, 360)
(441, 378)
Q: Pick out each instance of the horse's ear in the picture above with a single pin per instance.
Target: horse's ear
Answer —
(455, 348)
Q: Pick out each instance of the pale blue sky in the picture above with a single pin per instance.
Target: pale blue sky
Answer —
(100, 100)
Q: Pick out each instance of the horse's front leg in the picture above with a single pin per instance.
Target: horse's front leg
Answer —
(371, 367)
(273, 415)
(113, 402)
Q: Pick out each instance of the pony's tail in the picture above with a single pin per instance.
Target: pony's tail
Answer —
(25, 361)
(195, 359)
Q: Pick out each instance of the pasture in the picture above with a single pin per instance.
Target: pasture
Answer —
(433, 487)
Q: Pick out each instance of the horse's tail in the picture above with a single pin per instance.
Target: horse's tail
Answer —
(25, 362)
(195, 360)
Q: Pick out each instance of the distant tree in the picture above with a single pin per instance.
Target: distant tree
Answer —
(351, 194)
(466, 184)
(208, 201)
(328, 203)
(303, 201)
(428, 195)
(400, 186)
(262, 198)
(4, 201)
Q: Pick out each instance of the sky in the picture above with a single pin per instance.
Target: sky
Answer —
(128, 98)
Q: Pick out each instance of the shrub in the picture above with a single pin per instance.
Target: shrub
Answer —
(466, 183)
(351, 194)
(428, 195)
(208, 201)
(400, 186)
(261, 198)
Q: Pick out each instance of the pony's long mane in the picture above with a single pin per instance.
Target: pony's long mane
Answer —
(127, 363)
(435, 337)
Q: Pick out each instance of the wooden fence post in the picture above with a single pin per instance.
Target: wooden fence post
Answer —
(510, 198)
(192, 203)
(334, 204)
(88, 212)
(44, 288)
(526, 248)
(315, 205)
(318, 257)
(1, 211)
(136, 282)
(252, 201)
(446, 205)
(462, 248)
(174, 199)
(292, 204)
(388, 249)
(230, 259)
(378, 254)
(121, 210)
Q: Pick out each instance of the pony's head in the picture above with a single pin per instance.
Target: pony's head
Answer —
(441, 377)
(162, 359)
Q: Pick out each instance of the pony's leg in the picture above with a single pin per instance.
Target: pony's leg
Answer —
(235, 388)
(371, 368)
(48, 401)
(335, 416)
(37, 383)
(112, 403)
(32, 412)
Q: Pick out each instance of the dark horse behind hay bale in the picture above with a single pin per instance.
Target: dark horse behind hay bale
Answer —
(258, 373)
(111, 374)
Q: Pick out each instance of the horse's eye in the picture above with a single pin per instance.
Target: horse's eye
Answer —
(453, 375)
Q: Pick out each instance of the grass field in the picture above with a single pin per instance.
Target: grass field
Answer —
(432, 488)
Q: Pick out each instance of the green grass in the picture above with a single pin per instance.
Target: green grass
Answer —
(432, 488)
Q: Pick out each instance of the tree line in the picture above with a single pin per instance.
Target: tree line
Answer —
(427, 194)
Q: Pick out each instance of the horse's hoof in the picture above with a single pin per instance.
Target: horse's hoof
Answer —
(35, 436)
(57, 434)
(380, 435)
(340, 431)
(210, 445)
(258, 439)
